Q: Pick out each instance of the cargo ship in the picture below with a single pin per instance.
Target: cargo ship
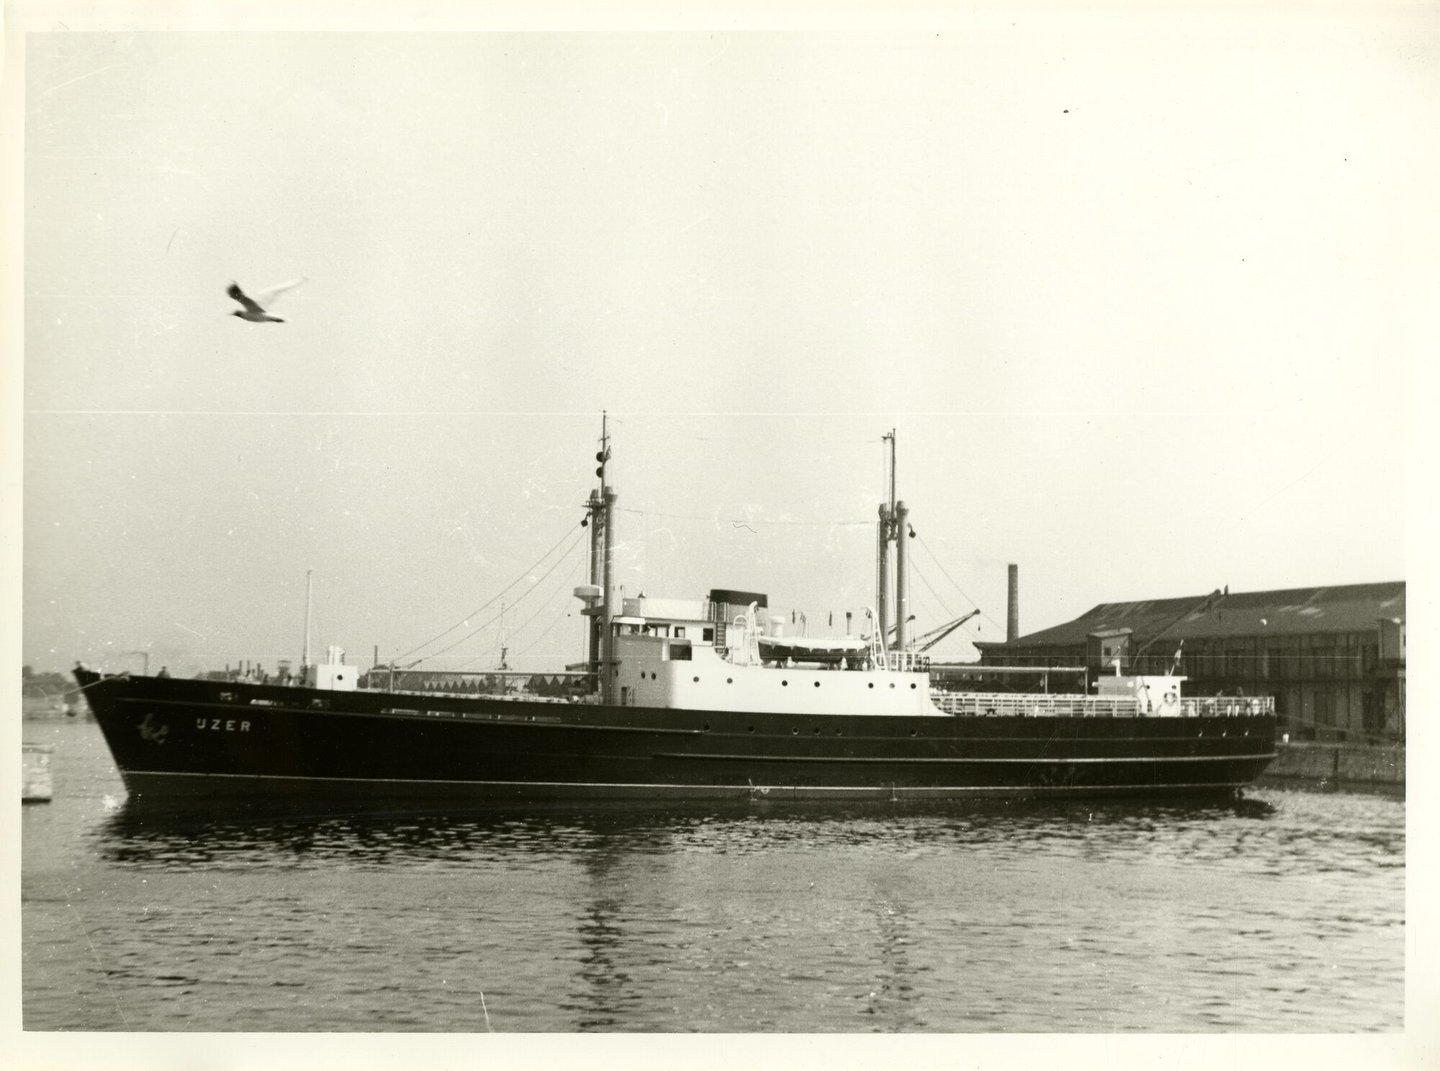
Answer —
(698, 698)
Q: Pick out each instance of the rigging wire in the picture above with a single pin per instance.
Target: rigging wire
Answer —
(478, 631)
(470, 635)
(758, 520)
(549, 599)
(923, 608)
(915, 571)
(555, 621)
(488, 602)
(950, 578)
(964, 631)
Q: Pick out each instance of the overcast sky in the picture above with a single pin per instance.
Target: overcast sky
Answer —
(1135, 293)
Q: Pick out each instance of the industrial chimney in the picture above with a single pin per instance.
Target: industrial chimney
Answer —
(1012, 607)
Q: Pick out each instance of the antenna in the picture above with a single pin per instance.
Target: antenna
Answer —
(889, 437)
(603, 454)
(305, 658)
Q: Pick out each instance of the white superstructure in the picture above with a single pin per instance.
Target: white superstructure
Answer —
(669, 653)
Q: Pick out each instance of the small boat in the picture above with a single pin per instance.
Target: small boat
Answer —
(36, 785)
(699, 698)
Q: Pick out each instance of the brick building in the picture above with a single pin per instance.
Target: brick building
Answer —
(1333, 657)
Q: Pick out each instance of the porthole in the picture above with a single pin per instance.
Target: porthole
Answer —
(816, 730)
(729, 680)
(795, 732)
(914, 732)
(696, 679)
(751, 729)
(870, 685)
(784, 684)
(817, 684)
(912, 687)
(892, 684)
(705, 728)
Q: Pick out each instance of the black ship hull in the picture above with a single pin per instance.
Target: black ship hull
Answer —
(172, 737)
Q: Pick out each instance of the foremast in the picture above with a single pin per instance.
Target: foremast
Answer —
(599, 594)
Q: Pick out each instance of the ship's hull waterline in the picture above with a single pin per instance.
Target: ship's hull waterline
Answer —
(192, 738)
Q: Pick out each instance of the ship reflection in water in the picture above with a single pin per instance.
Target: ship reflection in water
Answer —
(619, 856)
(176, 832)
(1277, 912)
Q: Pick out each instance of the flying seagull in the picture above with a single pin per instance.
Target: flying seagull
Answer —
(254, 309)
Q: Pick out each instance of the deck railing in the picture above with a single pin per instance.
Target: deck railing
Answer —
(906, 661)
(1080, 706)
(1227, 706)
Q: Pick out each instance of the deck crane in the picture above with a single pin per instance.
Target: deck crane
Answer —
(1205, 605)
(935, 635)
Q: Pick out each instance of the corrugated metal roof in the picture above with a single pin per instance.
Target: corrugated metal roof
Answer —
(1342, 608)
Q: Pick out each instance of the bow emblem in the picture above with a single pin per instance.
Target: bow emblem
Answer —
(150, 731)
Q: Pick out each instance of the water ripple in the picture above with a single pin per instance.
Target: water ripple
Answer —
(1283, 911)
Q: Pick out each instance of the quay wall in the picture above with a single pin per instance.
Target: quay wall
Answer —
(1355, 763)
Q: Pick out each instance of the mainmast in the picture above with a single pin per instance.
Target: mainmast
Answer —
(893, 527)
(882, 545)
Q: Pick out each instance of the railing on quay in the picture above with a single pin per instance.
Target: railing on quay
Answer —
(1080, 706)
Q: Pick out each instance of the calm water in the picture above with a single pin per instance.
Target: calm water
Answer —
(1282, 912)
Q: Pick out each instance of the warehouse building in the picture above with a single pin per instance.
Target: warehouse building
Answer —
(1333, 657)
